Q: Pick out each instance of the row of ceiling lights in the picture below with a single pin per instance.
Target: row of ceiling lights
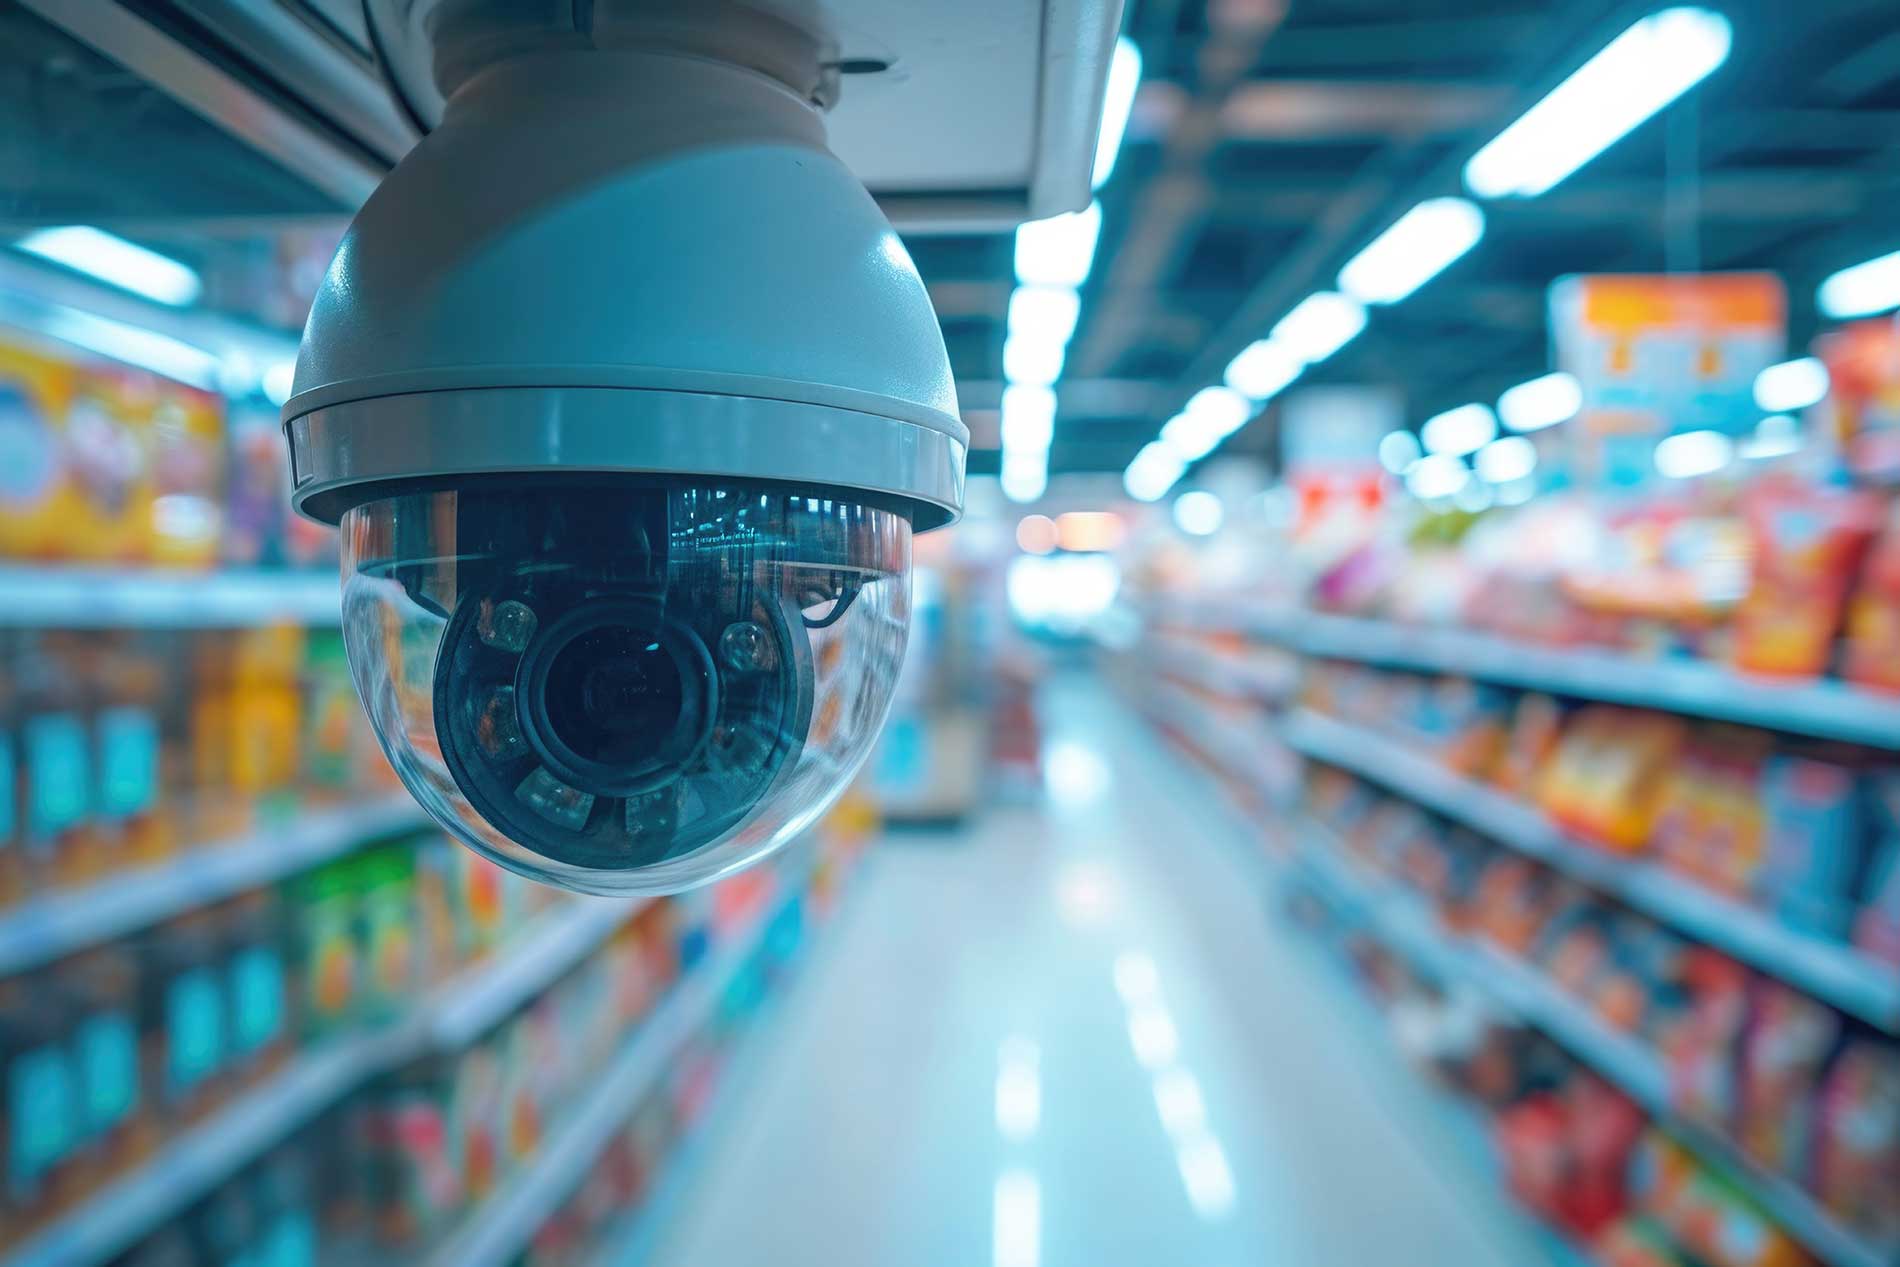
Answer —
(1433, 462)
(1053, 259)
(1642, 70)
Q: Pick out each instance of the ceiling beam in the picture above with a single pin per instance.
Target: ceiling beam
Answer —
(1163, 212)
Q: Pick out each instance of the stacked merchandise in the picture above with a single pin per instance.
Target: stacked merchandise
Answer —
(109, 1057)
(1808, 832)
(1803, 1093)
(109, 465)
(125, 748)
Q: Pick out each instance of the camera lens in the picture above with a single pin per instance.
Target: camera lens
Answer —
(613, 704)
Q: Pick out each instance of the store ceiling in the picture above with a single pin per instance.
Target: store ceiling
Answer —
(1271, 139)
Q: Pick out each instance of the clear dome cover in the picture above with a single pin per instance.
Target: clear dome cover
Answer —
(625, 690)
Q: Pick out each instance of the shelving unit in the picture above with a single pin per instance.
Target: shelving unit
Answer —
(1829, 970)
(190, 1165)
(46, 927)
(498, 1232)
(102, 598)
(1402, 923)
(1824, 709)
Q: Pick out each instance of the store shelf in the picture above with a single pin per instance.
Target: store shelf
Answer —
(1405, 926)
(1222, 671)
(556, 942)
(497, 1233)
(99, 598)
(1240, 751)
(1826, 709)
(1829, 970)
(190, 1165)
(45, 928)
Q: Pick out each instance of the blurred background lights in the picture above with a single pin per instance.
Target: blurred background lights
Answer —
(1459, 431)
(1542, 402)
(1198, 513)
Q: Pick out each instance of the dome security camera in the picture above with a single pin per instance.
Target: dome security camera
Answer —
(627, 399)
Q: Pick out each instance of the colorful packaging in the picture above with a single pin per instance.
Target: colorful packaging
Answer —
(1871, 654)
(1787, 1041)
(35, 394)
(187, 514)
(1856, 1162)
(1815, 826)
(1808, 544)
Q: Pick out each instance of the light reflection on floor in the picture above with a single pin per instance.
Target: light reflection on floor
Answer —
(1072, 1036)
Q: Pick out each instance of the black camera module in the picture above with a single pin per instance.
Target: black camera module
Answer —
(628, 705)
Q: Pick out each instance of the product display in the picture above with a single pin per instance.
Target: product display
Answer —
(111, 465)
(122, 749)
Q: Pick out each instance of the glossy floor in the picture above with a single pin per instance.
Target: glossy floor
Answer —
(1073, 1035)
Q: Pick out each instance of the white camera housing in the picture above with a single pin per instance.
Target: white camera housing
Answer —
(628, 400)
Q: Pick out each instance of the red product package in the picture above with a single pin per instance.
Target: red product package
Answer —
(1873, 616)
(1531, 1137)
(1808, 545)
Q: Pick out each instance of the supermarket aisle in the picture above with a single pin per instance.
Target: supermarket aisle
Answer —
(1072, 1037)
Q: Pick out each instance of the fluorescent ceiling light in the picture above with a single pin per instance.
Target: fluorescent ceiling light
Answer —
(1060, 250)
(1635, 75)
(1191, 438)
(1862, 290)
(1459, 431)
(1791, 385)
(1025, 476)
(111, 258)
(277, 380)
(1035, 362)
(1505, 460)
(1198, 513)
(1439, 475)
(1222, 408)
(1320, 325)
(1263, 369)
(1776, 436)
(1046, 313)
(1421, 244)
(1693, 453)
(1124, 77)
(134, 345)
(1153, 472)
(1029, 418)
(1542, 402)
(1398, 450)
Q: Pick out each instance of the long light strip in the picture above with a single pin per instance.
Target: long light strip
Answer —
(1320, 325)
(1262, 370)
(1634, 76)
(135, 345)
(1124, 77)
(1060, 250)
(1542, 402)
(1863, 290)
(1421, 244)
(112, 259)
(1459, 431)
(1791, 385)
(1043, 312)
